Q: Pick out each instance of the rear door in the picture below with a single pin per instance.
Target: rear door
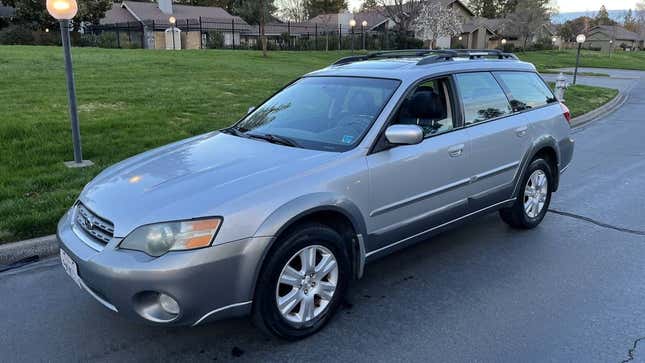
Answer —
(499, 138)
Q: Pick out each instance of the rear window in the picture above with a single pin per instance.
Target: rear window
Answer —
(482, 97)
(525, 90)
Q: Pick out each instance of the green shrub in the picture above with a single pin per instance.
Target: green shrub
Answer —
(106, 40)
(16, 34)
(214, 40)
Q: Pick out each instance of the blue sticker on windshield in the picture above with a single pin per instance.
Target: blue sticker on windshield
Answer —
(348, 139)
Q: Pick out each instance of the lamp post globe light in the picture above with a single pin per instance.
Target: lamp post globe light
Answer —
(352, 24)
(363, 26)
(64, 11)
(172, 20)
(581, 38)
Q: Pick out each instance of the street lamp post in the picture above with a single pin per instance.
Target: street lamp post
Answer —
(611, 42)
(172, 21)
(579, 39)
(363, 25)
(503, 42)
(352, 24)
(63, 11)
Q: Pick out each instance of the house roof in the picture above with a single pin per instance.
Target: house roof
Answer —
(374, 18)
(616, 32)
(147, 11)
(6, 11)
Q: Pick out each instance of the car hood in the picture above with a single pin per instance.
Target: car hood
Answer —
(188, 179)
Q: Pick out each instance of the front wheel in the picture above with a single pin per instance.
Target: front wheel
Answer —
(534, 198)
(302, 283)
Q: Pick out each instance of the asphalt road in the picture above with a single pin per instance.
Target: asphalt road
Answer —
(570, 290)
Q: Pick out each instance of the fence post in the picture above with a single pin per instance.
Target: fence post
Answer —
(129, 34)
(118, 40)
(316, 37)
(201, 43)
(289, 35)
(233, 31)
(143, 35)
(340, 36)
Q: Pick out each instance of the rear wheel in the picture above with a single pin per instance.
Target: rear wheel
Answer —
(534, 198)
(302, 283)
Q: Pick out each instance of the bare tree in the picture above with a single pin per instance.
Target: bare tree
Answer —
(528, 18)
(402, 12)
(436, 21)
(292, 10)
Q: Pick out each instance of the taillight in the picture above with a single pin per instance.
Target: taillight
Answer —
(565, 112)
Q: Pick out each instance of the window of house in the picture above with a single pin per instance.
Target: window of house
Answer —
(429, 107)
(482, 97)
(525, 90)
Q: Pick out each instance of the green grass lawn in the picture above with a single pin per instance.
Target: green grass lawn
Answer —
(545, 60)
(581, 99)
(129, 101)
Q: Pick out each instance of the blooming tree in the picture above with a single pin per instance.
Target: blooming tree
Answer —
(436, 21)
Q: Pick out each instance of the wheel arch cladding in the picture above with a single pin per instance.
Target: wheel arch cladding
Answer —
(545, 147)
(324, 208)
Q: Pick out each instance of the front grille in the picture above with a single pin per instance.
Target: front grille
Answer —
(101, 230)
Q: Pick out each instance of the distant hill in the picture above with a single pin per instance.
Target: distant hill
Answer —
(617, 15)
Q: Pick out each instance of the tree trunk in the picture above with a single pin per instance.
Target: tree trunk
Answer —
(263, 38)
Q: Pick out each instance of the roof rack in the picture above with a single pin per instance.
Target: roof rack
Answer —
(467, 53)
(429, 55)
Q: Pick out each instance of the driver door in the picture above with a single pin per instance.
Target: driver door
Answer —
(414, 188)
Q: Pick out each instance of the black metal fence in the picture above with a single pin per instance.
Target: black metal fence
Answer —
(210, 33)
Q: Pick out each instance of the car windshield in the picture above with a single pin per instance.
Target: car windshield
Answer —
(323, 113)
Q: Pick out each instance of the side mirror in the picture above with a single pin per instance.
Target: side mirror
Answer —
(404, 134)
(251, 109)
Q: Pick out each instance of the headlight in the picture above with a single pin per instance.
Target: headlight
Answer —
(157, 239)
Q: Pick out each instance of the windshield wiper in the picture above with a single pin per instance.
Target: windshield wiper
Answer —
(234, 131)
(275, 139)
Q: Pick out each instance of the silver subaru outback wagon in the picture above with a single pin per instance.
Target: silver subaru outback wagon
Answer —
(275, 215)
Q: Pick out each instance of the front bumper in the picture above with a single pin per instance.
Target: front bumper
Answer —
(209, 283)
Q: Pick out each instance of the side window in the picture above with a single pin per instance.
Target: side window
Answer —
(481, 96)
(429, 107)
(525, 90)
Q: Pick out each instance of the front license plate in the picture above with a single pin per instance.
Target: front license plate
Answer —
(70, 267)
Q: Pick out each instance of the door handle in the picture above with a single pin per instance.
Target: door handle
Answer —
(455, 151)
(521, 131)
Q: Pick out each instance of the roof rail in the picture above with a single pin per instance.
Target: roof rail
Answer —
(429, 55)
(470, 54)
(403, 53)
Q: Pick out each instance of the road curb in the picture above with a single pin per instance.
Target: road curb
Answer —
(601, 111)
(41, 247)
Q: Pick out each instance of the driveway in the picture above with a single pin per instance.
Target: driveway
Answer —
(570, 290)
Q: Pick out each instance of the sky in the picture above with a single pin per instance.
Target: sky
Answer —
(565, 5)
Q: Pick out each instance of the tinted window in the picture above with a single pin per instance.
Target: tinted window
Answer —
(327, 113)
(482, 97)
(526, 90)
(429, 107)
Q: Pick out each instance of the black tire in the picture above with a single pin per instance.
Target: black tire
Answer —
(515, 215)
(265, 313)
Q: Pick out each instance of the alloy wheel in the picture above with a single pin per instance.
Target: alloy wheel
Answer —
(535, 193)
(307, 284)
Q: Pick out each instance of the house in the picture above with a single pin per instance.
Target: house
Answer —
(474, 35)
(6, 11)
(374, 19)
(604, 36)
(502, 31)
(193, 21)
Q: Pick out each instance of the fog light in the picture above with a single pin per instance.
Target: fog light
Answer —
(169, 304)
